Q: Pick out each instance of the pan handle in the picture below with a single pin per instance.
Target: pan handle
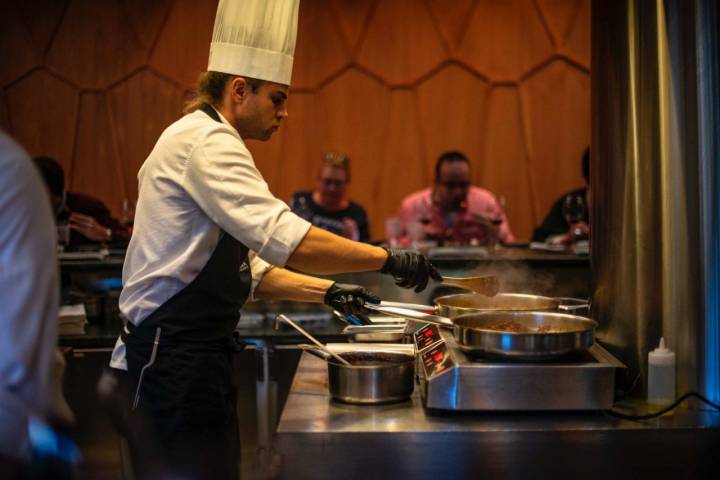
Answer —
(411, 314)
(312, 349)
(408, 306)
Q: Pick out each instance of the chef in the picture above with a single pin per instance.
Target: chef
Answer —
(209, 235)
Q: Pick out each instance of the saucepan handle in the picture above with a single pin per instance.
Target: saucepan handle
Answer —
(411, 314)
(312, 349)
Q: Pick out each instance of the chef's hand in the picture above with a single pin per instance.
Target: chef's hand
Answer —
(410, 269)
(346, 298)
(89, 227)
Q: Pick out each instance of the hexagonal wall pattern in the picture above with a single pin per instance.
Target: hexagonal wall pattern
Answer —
(504, 170)
(399, 51)
(146, 18)
(505, 39)
(42, 17)
(452, 19)
(95, 45)
(393, 83)
(403, 158)
(17, 53)
(577, 44)
(452, 118)
(320, 49)
(557, 140)
(183, 47)
(559, 15)
(49, 107)
(96, 169)
(142, 107)
(352, 17)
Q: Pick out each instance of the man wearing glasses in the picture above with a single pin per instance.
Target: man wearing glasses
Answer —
(454, 210)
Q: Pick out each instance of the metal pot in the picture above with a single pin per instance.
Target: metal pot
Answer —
(373, 377)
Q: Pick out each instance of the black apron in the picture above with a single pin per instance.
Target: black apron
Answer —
(180, 369)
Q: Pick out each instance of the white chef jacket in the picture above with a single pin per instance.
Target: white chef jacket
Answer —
(29, 298)
(200, 179)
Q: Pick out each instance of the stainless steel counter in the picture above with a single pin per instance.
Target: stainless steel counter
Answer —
(320, 438)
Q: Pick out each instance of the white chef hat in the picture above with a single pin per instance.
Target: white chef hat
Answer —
(255, 38)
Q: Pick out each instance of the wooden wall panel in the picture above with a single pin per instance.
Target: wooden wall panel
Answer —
(559, 15)
(393, 83)
(505, 39)
(353, 17)
(182, 48)
(146, 18)
(303, 142)
(96, 169)
(577, 45)
(451, 17)
(352, 118)
(505, 170)
(41, 18)
(142, 107)
(94, 45)
(397, 50)
(43, 113)
(453, 116)
(402, 163)
(16, 51)
(558, 106)
(322, 50)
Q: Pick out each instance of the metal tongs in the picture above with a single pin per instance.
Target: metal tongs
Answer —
(322, 347)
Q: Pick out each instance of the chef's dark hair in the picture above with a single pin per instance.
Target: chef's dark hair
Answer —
(586, 165)
(448, 157)
(52, 173)
(337, 160)
(211, 87)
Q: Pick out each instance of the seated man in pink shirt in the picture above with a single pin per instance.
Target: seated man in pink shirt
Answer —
(454, 210)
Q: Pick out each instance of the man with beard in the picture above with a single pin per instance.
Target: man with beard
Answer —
(453, 209)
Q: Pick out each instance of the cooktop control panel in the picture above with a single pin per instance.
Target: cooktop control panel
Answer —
(433, 350)
(427, 336)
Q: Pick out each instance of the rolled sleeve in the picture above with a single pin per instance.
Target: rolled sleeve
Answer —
(259, 268)
(223, 180)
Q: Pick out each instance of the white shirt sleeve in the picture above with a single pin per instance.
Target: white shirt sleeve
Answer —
(222, 178)
(259, 268)
(28, 298)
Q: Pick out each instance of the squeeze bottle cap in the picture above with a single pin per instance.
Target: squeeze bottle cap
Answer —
(662, 355)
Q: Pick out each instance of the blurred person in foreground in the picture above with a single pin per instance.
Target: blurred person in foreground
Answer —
(89, 220)
(453, 209)
(568, 217)
(328, 206)
(30, 364)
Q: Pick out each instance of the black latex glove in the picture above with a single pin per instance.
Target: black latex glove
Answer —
(346, 298)
(410, 269)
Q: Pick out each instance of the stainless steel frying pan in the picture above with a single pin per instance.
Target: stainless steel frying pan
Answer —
(529, 336)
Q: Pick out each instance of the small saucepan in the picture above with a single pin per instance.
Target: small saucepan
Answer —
(372, 378)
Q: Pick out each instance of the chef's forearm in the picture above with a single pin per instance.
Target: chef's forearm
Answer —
(281, 284)
(322, 252)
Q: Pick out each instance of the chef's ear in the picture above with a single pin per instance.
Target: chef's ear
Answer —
(239, 89)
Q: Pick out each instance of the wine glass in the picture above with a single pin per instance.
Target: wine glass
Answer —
(573, 210)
